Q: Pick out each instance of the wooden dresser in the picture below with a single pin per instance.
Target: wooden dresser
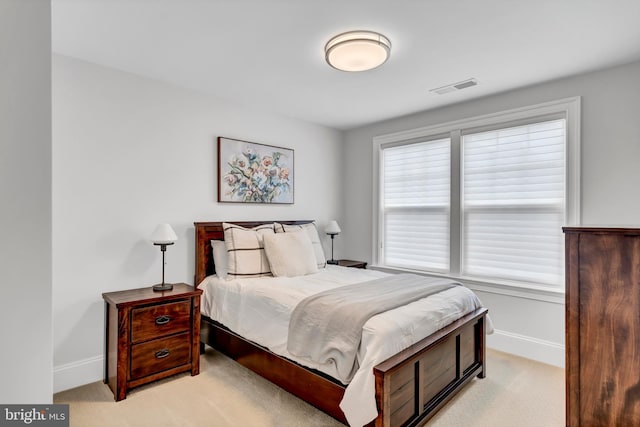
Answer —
(602, 326)
(150, 335)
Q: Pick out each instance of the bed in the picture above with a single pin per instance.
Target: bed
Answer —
(410, 385)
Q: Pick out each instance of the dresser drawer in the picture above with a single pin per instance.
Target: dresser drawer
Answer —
(159, 355)
(160, 320)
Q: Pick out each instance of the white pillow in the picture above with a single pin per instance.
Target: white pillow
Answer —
(312, 232)
(245, 250)
(290, 254)
(220, 258)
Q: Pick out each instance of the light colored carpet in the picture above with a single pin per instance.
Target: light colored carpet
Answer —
(516, 392)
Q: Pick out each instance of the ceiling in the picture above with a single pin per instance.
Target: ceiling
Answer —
(269, 54)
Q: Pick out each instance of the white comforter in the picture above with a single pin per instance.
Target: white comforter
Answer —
(259, 310)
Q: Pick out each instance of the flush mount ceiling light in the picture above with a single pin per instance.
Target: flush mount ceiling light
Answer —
(357, 50)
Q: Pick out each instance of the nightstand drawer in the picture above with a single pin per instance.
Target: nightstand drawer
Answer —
(159, 355)
(160, 320)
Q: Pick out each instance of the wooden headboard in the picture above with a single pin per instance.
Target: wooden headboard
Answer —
(207, 231)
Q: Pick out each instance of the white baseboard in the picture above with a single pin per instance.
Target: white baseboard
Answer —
(543, 351)
(78, 373)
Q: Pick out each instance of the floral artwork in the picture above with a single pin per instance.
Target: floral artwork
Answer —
(254, 173)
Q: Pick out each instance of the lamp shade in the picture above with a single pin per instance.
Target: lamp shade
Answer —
(332, 228)
(163, 235)
(357, 50)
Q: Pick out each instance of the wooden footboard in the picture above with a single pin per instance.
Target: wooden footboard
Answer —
(410, 386)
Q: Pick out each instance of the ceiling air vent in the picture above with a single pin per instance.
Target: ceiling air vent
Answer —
(455, 86)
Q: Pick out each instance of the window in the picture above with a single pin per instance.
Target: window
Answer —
(482, 199)
(513, 203)
(416, 205)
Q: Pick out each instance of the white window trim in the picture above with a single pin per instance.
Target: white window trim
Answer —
(569, 107)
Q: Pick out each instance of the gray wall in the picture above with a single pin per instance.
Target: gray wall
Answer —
(25, 192)
(129, 153)
(610, 129)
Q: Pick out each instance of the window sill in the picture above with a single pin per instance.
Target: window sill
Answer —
(539, 293)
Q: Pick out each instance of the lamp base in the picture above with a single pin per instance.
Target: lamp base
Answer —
(332, 261)
(161, 287)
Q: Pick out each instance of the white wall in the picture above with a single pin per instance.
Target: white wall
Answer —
(25, 192)
(610, 179)
(129, 153)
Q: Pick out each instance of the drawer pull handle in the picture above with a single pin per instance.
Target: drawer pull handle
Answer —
(161, 354)
(162, 320)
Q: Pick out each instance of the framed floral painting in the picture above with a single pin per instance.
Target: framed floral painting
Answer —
(254, 173)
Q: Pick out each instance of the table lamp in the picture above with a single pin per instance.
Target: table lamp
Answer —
(332, 230)
(163, 236)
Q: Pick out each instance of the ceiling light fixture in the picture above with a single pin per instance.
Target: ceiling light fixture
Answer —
(357, 50)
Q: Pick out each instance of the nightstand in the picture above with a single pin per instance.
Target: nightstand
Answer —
(351, 263)
(150, 335)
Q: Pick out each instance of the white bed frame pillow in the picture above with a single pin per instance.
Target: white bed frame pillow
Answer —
(245, 250)
(220, 258)
(290, 254)
(312, 232)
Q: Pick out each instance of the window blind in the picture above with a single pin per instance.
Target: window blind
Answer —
(415, 205)
(513, 192)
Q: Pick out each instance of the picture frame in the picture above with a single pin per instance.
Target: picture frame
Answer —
(249, 172)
